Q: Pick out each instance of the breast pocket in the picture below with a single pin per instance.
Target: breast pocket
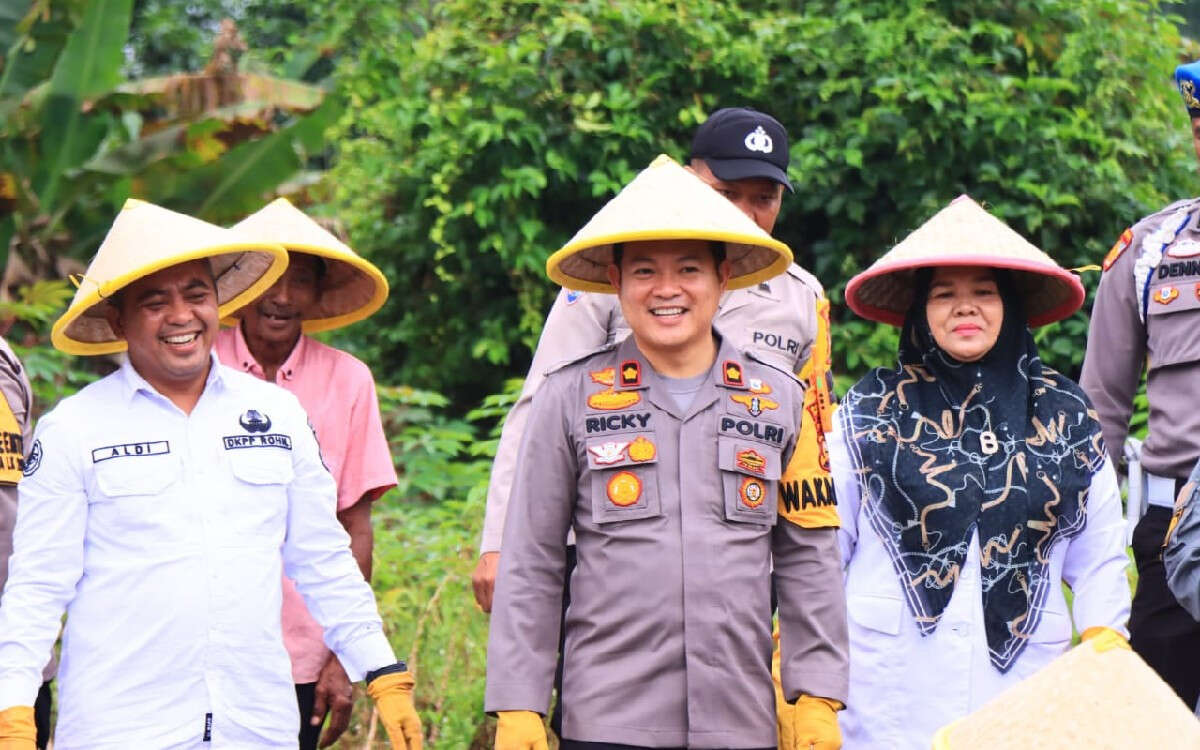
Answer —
(750, 473)
(1173, 313)
(624, 471)
(259, 500)
(136, 496)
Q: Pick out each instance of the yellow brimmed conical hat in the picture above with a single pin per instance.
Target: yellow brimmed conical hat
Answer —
(1108, 700)
(667, 202)
(964, 234)
(146, 238)
(352, 287)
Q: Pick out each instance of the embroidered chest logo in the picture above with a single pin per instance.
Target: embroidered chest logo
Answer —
(750, 460)
(148, 448)
(758, 140)
(610, 399)
(1165, 295)
(35, 458)
(256, 423)
(642, 450)
(608, 453)
(624, 489)
(731, 372)
(752, 492)
(756, 401)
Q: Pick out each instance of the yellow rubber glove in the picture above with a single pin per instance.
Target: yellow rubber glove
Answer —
(17, 731)
(520, 730)
(393, 696)
(1104, 639)
(815, 725)
(784, 711)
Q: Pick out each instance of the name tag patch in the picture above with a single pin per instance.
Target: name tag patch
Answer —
(149, 448)
(233, 442)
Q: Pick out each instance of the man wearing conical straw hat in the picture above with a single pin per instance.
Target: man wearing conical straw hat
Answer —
(663, 453)
(1144, 321)
(154, 507)
(326, 286)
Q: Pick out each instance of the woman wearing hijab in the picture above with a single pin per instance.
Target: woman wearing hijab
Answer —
(972, 483)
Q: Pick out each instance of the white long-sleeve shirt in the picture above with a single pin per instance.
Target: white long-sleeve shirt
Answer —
(904, 686)
(159, 533)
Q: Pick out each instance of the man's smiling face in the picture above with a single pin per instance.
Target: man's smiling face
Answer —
(169, 319)
(274, 319)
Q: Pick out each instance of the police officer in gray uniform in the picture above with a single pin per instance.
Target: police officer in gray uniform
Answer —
(663, 453)
(1145, 316)
(742, 154)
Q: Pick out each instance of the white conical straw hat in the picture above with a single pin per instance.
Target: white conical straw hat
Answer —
(1083, 699)
(352, 287)
(667, 202)
(146, 238)
(964, 234)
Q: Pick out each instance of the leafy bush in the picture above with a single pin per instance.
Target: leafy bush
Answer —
(480, 135)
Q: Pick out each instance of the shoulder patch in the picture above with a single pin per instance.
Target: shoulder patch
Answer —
(1121, 245)
(586, 355)
(34, 460)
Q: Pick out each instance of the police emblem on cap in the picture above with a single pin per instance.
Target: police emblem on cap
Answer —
(254, 421)
(758, 140)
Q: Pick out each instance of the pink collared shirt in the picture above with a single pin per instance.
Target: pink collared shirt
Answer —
(338, 392)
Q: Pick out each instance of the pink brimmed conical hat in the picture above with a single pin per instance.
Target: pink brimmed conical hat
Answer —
(964, 234)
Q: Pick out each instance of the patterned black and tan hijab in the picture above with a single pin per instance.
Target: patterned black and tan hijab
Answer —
(1004, 445)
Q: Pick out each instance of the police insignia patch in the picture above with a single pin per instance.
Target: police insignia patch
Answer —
(750, 460)
(631, 373)
(1165, 295)
(732, 373)
(35, 459)
(610, 400)
(1184, 249)
(755, 401)
(1121, 245)
(603, 377)
(752, 492)
(608, 453)
(642, 450)
(624, 489)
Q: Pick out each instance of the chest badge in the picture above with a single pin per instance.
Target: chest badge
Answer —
(732, 373)
(756, 401)
(610, 399)
(624, 489)
(608, 453)
(254, 421)
(1165, 295)
(750, 460)
(642, 450)
(752, 492)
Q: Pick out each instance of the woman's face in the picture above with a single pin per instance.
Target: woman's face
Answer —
(964, 311)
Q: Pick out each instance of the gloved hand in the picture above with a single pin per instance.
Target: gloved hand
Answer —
(393, 696)
(520, 730)
(17, 731)
(815, 725)
(1104, 639)
(784, 711)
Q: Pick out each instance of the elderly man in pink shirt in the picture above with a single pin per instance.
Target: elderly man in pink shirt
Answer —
(327, 285)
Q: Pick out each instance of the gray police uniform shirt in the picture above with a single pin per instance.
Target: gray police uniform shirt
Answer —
(676, 517)
(775, 319)
(15, 439)
(1146, 313)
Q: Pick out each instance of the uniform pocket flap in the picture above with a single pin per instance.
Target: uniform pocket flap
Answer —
(626, 449)
(749, 458)
(141, 476)
(262, 466)
(880, 613)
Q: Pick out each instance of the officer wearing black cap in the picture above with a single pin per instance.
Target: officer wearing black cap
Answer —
(742, 154)
(1144, 319)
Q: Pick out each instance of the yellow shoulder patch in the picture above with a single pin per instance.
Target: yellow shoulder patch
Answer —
(12, 447)
(806, 489)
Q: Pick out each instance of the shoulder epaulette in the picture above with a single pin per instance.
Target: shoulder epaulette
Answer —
(749, 354)
(586, 355)
(806, 278)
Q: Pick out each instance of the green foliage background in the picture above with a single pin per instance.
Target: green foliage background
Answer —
(471, 138)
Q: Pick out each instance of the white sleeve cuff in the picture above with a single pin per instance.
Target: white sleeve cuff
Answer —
(371, 651)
